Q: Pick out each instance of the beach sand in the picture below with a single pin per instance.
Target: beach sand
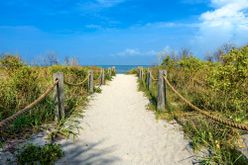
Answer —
(118, 129)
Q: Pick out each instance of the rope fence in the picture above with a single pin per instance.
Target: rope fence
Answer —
(79, 84)
(58, 88)
(161, 99)
(8, 120)
(154, 79)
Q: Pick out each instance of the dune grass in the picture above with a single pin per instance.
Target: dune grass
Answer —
(219, 87)
(20, 84)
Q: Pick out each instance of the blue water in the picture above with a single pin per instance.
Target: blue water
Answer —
(124, 68)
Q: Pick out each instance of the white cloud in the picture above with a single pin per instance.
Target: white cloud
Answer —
(135, 52)
(229, 13)
(227, 22)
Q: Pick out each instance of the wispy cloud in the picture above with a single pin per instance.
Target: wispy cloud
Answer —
(94, 27)
(109, 3)
(135, 52)
(98, 5)
(170, 25)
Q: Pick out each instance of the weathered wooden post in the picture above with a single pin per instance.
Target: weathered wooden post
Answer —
(149, 80)
(161, 98)
(59, 96)
(113, 71)
(102, 77)
(91, 82)
(140, 73)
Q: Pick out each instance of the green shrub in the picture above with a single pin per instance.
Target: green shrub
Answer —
(230, 81)
(21, 84)
(46, 154)
(132, 71)
(10, 62)
(215, 86)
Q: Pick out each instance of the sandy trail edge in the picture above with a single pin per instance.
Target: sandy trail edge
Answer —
(117, 129)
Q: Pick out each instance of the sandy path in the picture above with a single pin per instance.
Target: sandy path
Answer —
(119, 130)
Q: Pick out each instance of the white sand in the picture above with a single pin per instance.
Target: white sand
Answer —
(119, 130)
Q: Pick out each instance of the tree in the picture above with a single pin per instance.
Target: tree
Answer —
(74, 61)
(71, 61)
(67, 61)
(51, 59)
(224, 49)
(209, 57)
(184, 53)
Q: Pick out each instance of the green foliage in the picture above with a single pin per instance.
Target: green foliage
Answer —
(21, 84)
(107, 74)
(168, 62)
(20, 87)
(132, 71)
(10, 62)
(221, 149)
(45, 155)
(221, 87)
(230, 81)
(97, 90)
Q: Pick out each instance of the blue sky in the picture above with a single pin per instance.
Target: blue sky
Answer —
(119, 31)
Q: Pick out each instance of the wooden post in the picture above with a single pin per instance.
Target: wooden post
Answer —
(140, 73)
(147, 77)
(113, 71)
(161, 98)
(91, 82)
(102, 77)
(59, 96)
(109, 72)
(149, 80)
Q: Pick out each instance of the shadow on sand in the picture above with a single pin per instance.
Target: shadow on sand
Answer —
(86, 153)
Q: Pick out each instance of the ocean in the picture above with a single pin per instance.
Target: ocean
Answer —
(124, 68)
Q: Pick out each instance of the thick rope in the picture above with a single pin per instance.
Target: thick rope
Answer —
(203, 112)
(6, 121)
(79, 84)
(154, 79)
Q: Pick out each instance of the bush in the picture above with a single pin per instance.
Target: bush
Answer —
(21, 84)
(46, 154)
(220, 86)
(10, 62)
(230, 81)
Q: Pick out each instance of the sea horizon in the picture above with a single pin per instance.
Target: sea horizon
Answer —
(124, 68)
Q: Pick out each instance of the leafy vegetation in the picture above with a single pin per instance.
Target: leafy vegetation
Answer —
(218, 86)
(45, 155)
(21, 84)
